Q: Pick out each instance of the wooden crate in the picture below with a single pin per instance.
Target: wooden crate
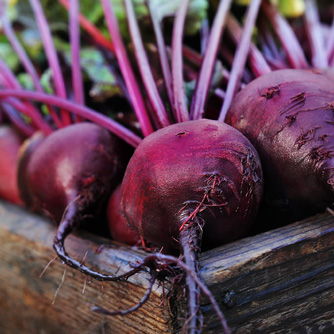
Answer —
(276, 282)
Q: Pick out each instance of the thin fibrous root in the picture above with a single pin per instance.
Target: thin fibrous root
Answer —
(145, 298)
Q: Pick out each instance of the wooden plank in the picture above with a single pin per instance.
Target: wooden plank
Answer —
(276, 282)
(26, 301)
(281, 281)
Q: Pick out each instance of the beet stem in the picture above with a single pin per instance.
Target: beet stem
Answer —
(315, 35)
(145, 298)
(205, 33)
(51, 54)
(204, 79)
(257, 62)
(28, 110)
(125, 66)
(144, 66)
(166, 71)
(270, 51)
(180, 101)
(77, 81)
(85, 112)
(240, 58)
(287, 37)
(95, 33)
(14, 117)
(25, 60)
(9, 80)
(330, 45)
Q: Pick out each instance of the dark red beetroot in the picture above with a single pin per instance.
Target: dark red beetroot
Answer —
(10, 142)
(202, 171)
(118, 225)
(26, 150)
(70, 175)
(187, 180)
(289, 116)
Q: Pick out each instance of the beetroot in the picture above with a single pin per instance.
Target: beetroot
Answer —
(289, 115)
(10, 142)
(118, 225)
(195, 173)
(26, 150)
(71, 173)
(192, 183)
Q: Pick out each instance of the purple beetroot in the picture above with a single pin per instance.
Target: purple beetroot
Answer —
(70, 175)
(10, 142)
(288, 115)
(192, 185)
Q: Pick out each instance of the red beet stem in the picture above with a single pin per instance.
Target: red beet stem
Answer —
(257, 62)
(180, 101)
(240, 57)
(25, 60)
(9, 80)
(315, 35)
(287, 37)
(144, 67)
(330, 45)
(77, 81)
(82, 111)
(125, 66)
(275, 58)
(51, 54)
(166, 71)
(95, 33)
(14, 117)
(204, 79)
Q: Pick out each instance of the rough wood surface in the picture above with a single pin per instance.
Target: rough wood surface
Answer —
(276, 282)
(26, 300)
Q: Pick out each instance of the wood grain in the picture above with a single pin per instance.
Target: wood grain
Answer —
(26, 301)
(278, 282)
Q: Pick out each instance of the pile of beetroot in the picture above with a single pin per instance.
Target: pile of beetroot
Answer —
(196, 171)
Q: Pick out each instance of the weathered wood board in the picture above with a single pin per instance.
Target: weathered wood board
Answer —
(276, 282)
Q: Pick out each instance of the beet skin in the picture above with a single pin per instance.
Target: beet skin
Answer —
(288, 115)
(118, 225)
(197, 170)
(70, 176)
(10, 142)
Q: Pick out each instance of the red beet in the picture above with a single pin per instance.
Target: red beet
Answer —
(192, 183)
(198, 170)
(10, 142)
(118, 225)
(26, 150)
(70, 175)
(289, 115)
